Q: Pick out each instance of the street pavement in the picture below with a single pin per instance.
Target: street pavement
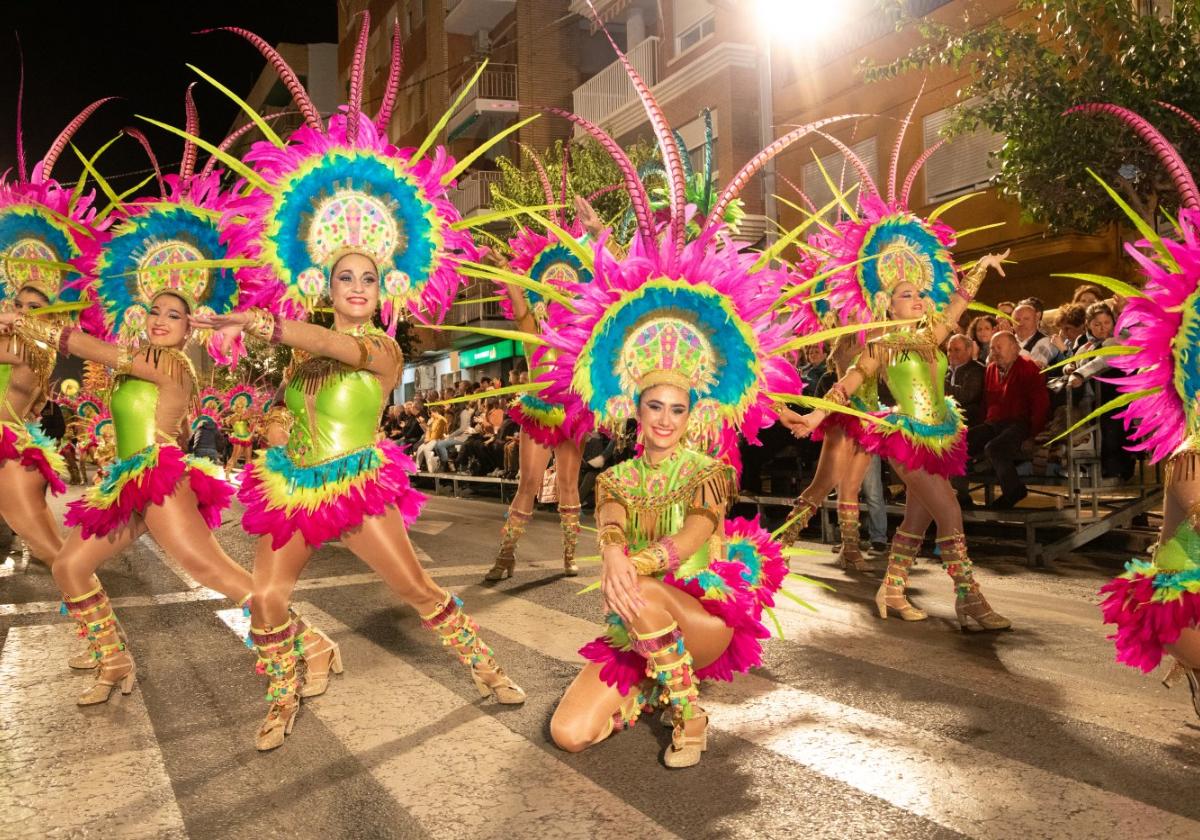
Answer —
(854, 727)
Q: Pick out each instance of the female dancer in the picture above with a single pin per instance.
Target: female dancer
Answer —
(1155, 603)
(925, 437)
(241, 432)
(153, 272)
(545, 427)
(339, 207)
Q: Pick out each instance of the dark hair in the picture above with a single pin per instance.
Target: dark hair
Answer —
(1035, 302)
(1084, 289)
(1100, 308)
(972, 328)
(1072, 314)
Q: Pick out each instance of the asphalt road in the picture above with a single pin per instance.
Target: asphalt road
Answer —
(855, 727)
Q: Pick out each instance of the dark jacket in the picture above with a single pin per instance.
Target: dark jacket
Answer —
(965, 383)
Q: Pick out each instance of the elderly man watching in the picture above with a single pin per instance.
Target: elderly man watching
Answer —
(1034, 343)
(1017, 404)
(964, 378)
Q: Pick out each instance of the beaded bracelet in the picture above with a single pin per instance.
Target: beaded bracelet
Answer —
(64, 342)
(668, 545)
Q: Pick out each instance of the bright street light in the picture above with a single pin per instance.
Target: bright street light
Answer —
(800, 20)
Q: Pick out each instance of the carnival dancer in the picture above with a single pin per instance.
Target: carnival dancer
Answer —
(924, 441)
(1155, 603)
(164, 260)
(682, 337)
(844, 458)
(545, 426)
(239, 402)
(49, 237)
(338, 210)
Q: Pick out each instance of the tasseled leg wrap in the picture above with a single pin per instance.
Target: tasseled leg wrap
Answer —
(568, 519)
(905, 548)
(277, 649)
(802, 511)
(97, 623)
(850, 555)
(669, 664)
(958, 565)
(460, 633)
(514, 526)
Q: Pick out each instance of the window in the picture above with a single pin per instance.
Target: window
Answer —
(962, 164)
(418, 12)
(695, 20)
(414, 90)
(840, 172)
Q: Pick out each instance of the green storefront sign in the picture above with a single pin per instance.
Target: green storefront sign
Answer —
(494, 352)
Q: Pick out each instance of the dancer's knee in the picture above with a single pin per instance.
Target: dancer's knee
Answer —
(572, 734)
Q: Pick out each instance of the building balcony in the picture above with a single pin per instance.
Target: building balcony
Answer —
(469, 311)
(610, 90)
(467, 17)
(490, 105)
(473, 195)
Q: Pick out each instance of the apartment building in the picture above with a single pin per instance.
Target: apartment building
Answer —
(820, 78)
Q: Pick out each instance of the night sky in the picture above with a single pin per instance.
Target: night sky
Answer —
(79, 52)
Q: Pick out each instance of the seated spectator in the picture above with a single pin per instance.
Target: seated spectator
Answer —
(1069, 332)
(964, 378)
(411, 430)
(447, 448)
(1035, 344)
(1017, 403)
(1115, 459)
(435, 431)
(981, 330)
(391, 423)
(1005, 322)
(814, 367)
(1083, 296)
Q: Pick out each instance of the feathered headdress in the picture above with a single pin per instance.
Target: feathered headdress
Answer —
(49, 235)
(341, 187)
(171, 244)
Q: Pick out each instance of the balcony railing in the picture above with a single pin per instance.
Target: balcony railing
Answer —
(608, 91)
(474, 193)
(499, 81)
(472, 312)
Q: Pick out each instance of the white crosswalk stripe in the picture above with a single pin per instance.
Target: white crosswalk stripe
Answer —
(60, 764)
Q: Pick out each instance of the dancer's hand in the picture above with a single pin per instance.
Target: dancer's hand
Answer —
(805, 425)
(993, 261)
(619, 585)
(228, 326)
(587, 217)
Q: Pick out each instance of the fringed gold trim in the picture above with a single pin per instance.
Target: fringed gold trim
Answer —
(1183, 466)
(36, 357)
(919, 342)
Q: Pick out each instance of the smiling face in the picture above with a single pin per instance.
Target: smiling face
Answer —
(663, 416)
(28, 298)
(354, 288)
(907, 302)
(167, 323)
(1026, 319)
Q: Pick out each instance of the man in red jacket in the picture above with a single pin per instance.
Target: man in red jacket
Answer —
(1017, 404)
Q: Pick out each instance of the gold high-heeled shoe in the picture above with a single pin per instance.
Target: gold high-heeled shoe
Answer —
(886, 598)
(852, 560)
(84, 660)
(685, 750)
(975, 608)
(117, 670)
(502, 569)
(499, 686)
(316, 680)
(1180, 671)
(278, 725)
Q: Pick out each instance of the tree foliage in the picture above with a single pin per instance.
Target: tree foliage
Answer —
(591, 170)
(1026, 69)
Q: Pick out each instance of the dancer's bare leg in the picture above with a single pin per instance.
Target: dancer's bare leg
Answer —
(533, 459)
(584, 715)
(567, 458)
(178, 527)
(23, 506)
(1182, 498)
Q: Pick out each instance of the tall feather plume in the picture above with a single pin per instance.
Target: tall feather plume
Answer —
(187, 167)
(358, 68)
(42, 170)
(1188, 118)
(236, 135)
(565, 184)
(395, 69)
(708, 156)
(639, 202)
(803, 196)
(543, 176)
(911, 178)
(894, 166)
(286, 74)
(673, 163)
(1167, 155)
(864, 174)
(603, 191)
(756, 163)
(137, 135)
(22, 172)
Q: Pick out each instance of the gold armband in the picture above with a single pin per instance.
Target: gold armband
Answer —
(612, 534)
(278, 416)
(262, 324)
(651, 560)
(37, 331)
(710, 515)
(837, 394)
(972, 281)
(124, 360)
